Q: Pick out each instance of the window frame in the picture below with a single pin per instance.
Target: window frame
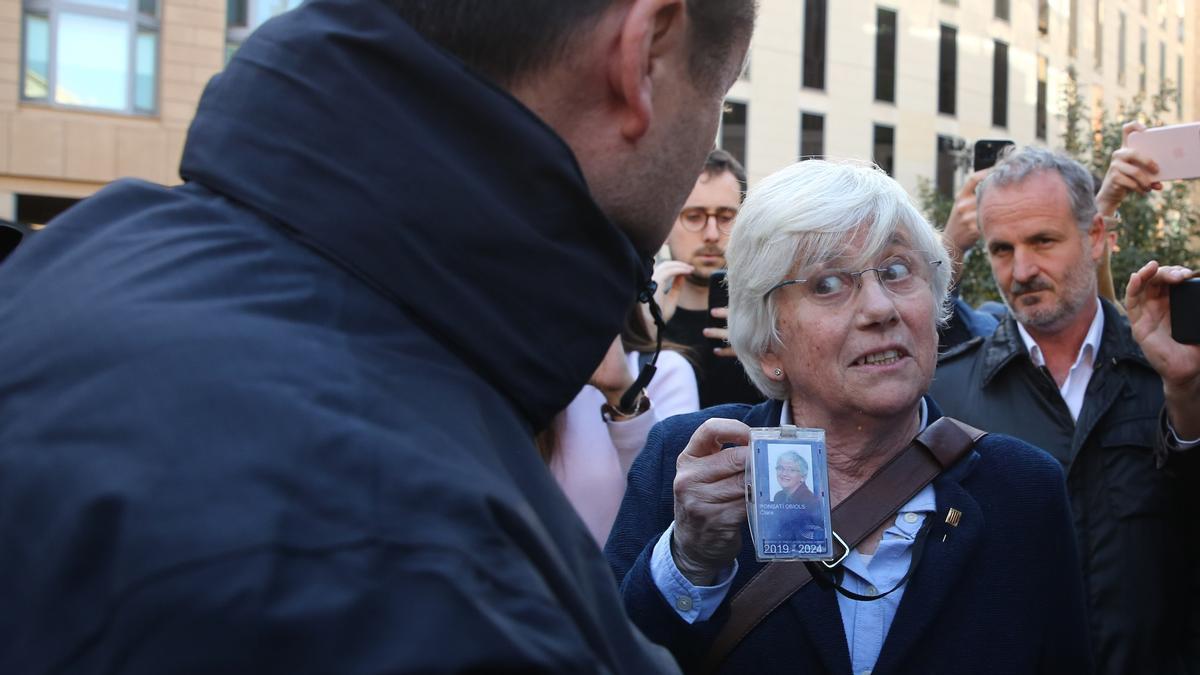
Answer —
(813, 75)
(947, 103)
(890, 130)
(135, 19)
(890, 81)
(1000, 89)
(819, 119)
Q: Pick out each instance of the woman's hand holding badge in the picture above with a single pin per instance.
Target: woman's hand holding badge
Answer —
(710, 500)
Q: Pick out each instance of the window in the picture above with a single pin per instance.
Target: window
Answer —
(812, 136)
(1001, 10)
(1121, 49)
(947, 70)
(1000, 84)
(1040, 123)
(1098, 34)
(1162, 66)
(243, 16)
(733, 130)
(1044, 17)
(948, 149)
(1179, 86)
(814, 44)
(885, 147)
(99, 54)
(1073, 29)
(1142, 60)
(885, 55)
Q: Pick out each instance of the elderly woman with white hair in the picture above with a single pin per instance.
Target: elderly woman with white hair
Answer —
(837, 287)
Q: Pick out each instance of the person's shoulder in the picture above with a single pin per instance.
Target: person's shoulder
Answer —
(962, 352)
(671, 361)
(1012, 461)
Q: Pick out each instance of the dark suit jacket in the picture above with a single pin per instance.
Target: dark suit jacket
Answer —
(999, 593)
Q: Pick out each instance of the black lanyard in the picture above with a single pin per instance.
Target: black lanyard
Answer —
(832, 578)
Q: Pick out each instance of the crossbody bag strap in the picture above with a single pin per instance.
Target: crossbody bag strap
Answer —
(935, 449)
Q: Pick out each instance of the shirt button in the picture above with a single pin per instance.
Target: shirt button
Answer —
(683, 603)
(910, 517)
(871, 590)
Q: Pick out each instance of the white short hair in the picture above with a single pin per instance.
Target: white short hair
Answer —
(807, 214)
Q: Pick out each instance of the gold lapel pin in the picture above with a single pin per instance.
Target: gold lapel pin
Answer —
(953, 517)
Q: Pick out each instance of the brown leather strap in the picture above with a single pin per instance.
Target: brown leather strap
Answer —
(936, 448)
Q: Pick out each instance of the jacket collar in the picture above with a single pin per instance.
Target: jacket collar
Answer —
(1116, 343)
(340, 124)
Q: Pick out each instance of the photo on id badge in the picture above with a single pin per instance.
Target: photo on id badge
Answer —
(791, 505)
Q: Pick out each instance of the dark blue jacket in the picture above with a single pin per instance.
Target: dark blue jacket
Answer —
(1000, 593)
(279, 419)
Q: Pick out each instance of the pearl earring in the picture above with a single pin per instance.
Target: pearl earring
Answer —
(778, 372)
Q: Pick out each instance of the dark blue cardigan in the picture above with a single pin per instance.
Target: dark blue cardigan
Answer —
(1000, 593)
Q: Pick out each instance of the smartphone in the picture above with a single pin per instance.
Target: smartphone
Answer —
(987, 151)
(1175, 148)
(718, 296)
(1185, 312)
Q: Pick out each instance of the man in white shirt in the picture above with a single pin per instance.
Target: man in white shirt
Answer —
(1120, 408)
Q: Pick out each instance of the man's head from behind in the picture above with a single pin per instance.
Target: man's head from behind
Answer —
(1042, 236)
(633, 86)
(702, 229)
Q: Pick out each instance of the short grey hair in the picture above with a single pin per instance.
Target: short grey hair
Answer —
(805, 215)
(795, 457)
(1017, 166)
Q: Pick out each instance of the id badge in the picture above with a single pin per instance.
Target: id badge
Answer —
(787, 494)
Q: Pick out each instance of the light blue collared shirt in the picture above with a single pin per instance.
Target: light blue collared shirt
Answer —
(866, 623)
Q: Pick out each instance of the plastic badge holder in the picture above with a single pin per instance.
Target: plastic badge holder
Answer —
(787, 494)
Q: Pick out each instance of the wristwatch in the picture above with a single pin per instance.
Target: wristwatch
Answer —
(612, 413)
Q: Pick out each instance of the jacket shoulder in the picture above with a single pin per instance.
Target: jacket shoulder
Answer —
(1020, 464)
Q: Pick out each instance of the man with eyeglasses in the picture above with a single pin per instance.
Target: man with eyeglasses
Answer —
(697, 244)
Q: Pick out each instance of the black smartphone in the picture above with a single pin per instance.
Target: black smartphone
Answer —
(718, 296)
(987, 151)
(1185, 312)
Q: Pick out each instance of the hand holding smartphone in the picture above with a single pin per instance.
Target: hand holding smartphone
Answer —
(718, 296)
(1185, 312)
(1175, 148)
(987, 152)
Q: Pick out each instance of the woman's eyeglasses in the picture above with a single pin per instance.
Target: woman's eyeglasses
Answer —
(900, 275)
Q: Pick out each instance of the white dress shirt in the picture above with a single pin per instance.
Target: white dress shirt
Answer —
(1074, 388)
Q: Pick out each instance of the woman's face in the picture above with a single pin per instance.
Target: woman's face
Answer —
(789, 475)
(873, 351)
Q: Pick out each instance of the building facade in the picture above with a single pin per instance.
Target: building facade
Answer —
(94, 90)
(908, 82)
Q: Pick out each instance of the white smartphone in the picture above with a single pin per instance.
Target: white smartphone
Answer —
(1175, 148)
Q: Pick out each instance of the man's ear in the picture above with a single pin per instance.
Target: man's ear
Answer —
(651, 31)
(1097, 238)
